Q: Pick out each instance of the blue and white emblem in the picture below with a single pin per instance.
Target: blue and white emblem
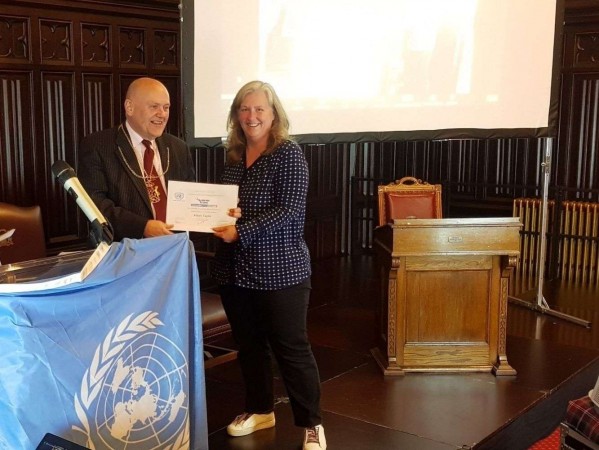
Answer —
(135, 394)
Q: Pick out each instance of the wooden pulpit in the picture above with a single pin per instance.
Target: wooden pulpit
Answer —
(444, 293)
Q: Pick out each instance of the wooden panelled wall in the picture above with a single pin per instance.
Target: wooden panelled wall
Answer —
(577, 153)
(64, 68)
(65, 64)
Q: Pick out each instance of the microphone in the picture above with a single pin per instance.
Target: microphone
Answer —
(101, 230)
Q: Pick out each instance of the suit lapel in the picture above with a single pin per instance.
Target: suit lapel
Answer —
(127, 157)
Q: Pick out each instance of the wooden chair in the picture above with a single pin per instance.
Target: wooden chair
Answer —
(28, 240)
(409, 198)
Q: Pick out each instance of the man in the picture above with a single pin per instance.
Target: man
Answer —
(128, 187)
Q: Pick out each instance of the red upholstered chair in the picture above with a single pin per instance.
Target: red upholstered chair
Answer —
(409, 198)
(28, 240)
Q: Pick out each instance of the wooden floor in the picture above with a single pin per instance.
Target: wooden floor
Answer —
(556, 360)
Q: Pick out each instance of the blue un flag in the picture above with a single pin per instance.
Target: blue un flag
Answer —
(112, 362)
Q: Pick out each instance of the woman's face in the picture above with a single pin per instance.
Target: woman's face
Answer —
(256, 116)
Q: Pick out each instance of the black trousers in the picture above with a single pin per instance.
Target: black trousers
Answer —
(274, 322)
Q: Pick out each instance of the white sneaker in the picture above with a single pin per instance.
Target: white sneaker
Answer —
(314, 438)
(246, 423)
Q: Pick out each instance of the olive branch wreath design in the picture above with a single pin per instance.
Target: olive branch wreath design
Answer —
(105, 354)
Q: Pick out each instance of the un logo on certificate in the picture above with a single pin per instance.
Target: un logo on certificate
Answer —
(135, 393)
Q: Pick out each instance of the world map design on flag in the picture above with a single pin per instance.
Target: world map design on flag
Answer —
(135, 392)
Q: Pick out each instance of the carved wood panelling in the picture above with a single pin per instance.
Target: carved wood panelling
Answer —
(479, 177)
(58, 102)
(578, 163)
(208, 163)
(95, 45)
(166, 48)
(73, 61)
(132, 47)
(97, 103)
(56, 42)
(576, 158)
(14, 39)
(326, 223)
(17, 163)
(586, 49)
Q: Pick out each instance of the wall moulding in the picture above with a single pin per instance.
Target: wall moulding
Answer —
(163, 9)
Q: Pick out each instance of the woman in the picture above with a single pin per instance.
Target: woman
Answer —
(263, 264)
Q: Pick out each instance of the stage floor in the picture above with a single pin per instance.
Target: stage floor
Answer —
(556, 361)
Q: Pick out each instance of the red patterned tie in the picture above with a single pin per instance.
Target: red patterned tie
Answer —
(153, 183)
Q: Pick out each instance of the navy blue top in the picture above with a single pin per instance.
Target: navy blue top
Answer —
(271, 252)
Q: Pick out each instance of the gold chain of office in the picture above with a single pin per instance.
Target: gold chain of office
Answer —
(148, 178)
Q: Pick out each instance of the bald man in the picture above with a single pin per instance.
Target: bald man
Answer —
(111, 163)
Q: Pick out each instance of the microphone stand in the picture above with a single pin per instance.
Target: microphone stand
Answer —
(541, 304)
(100, 229)
(100, 232)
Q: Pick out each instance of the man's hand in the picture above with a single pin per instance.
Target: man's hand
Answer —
(227, 233)
(157, 228)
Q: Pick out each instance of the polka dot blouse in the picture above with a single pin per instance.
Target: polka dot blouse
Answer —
(271, 252)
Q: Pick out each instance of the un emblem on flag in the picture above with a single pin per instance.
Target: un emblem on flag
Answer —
(134, 395)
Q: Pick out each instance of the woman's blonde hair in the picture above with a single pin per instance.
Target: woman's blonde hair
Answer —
(279, 132)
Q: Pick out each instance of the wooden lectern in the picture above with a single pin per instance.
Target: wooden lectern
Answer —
(444, 292)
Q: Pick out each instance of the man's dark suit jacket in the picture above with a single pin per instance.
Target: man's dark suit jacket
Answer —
(119, 194)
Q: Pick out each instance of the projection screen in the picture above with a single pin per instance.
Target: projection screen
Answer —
(349, 71)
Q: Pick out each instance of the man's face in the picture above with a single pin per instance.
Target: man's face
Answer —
(148, 111)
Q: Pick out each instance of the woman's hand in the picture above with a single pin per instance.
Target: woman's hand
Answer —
(227, 233)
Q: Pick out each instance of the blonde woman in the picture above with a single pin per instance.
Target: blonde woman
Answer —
(263, 265)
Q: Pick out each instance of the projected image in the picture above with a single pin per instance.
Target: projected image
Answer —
(421, 53)
(347, 66)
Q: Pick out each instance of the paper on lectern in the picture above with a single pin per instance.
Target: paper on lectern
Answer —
(90, 265)
(7, 235)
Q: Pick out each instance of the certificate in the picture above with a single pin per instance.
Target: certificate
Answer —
(200, 206)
